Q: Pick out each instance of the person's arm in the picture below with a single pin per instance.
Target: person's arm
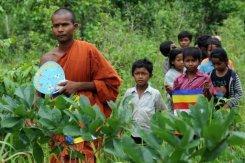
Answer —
(235, 93)
(105, 78)
(159, 104)
(70, 87)
(168, 81)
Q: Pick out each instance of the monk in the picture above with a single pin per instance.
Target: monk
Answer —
(86, 69)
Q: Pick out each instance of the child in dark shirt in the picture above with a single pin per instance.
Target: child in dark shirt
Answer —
(226, 82)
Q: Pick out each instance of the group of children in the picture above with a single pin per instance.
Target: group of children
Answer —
(203, 69)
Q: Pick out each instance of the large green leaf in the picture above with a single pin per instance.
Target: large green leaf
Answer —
(131, 150)
(9, 122)
(47, 123)
(147, 155)
(20, 111)
(116, 150)
(53, 115)
(44, 112)
(9, 101)
(71, 130)
(37, 152)
(84, 101)
(237, 138)
(26, 94)
(95, 125)
(61, 103)
(33, 133)
(210, 155)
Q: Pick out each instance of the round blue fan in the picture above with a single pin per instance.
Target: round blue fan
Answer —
(47, 78)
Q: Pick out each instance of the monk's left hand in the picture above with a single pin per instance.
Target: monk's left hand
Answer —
(69, 87)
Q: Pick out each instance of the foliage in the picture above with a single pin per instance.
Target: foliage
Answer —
(75, 117)
(198, 138)
(18, 76)
(124, 31)
(33, 122)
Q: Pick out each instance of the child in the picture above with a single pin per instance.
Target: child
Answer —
(184, 39)
(192, 79)
(226, 82)
(176, 69)
(165, 48)
(146, 100)
(202, 43)
(206, 65)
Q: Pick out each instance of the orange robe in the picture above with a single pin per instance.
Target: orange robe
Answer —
(84, 63)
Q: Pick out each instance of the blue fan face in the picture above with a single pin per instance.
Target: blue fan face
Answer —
(48, 77)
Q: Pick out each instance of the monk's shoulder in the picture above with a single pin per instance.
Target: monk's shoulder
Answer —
(87, 45)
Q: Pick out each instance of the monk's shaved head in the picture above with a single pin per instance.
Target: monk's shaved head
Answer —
(62, 11)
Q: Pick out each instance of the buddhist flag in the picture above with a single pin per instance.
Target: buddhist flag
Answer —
(184, 97)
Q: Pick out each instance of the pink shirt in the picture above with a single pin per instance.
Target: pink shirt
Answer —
(183, 82)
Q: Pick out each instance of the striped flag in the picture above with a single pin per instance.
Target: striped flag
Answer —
(184, 97)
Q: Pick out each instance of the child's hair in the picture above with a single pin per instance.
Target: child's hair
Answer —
(221, 54)
(214, 41)
(202, 41)
(172, 55)
(165, 48)
(142, 63)
(184, 34)
(192, 51)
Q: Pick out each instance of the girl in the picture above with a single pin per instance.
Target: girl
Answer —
(176, 69)
(226, 82)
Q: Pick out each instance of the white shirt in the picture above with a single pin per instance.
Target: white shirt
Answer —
(145, 106)
(170, 76)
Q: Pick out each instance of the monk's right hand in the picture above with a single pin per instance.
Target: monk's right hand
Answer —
(69, 87)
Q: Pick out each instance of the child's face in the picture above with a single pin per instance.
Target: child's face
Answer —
(211, 48)
(184, 42)
(178, 62)
(191, 64)
(218, 64)
(141, 76)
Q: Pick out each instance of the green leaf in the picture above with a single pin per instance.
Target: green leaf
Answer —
(11, 103)
(26, 94)
(237, 138)
(95, 125)
(70, 115)
(10, 122)
(147, 156)
(210, 155)
(75, 154)
(20, 111)
(44, 112)
(72, 130)
(99, 114)
(61, 103)
(131, 149)
(88, 111)
(47, 123)
(84, 101)
(37, 153)
(33, 133)
(55, 115)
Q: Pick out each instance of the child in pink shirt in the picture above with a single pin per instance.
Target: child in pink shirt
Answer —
(192, 78)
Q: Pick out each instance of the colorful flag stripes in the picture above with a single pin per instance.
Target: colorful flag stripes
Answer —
(183, 98)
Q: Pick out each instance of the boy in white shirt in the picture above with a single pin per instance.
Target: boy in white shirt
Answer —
(146, 100)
